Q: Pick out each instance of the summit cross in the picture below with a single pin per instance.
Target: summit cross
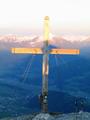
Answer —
(45, 64)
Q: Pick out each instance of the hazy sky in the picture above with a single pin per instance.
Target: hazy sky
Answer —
(26, 16)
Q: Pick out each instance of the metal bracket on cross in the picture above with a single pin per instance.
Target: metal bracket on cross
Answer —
(45, 66)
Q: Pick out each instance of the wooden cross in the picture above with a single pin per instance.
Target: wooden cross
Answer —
(45, 67)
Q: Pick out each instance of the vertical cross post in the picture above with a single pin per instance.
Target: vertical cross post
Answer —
(45, 66)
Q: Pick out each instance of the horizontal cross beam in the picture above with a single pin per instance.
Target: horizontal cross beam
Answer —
(40, 51)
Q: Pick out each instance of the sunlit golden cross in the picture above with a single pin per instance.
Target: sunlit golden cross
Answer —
(45, 68)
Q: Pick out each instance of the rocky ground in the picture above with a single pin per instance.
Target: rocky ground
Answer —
(41, 116)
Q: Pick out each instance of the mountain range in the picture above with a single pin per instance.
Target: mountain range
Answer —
(6, 42)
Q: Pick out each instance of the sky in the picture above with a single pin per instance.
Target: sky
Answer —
(26, 16)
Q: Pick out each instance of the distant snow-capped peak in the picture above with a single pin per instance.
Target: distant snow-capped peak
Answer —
(15, 38)
(78, 38)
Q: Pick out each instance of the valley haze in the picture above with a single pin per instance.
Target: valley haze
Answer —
(69, 77)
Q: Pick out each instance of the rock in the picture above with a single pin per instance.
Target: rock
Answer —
(43, 116)
(46, 116)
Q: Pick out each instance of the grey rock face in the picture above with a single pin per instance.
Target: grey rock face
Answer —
(43, 116)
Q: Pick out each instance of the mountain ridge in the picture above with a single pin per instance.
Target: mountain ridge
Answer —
(37, 41)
